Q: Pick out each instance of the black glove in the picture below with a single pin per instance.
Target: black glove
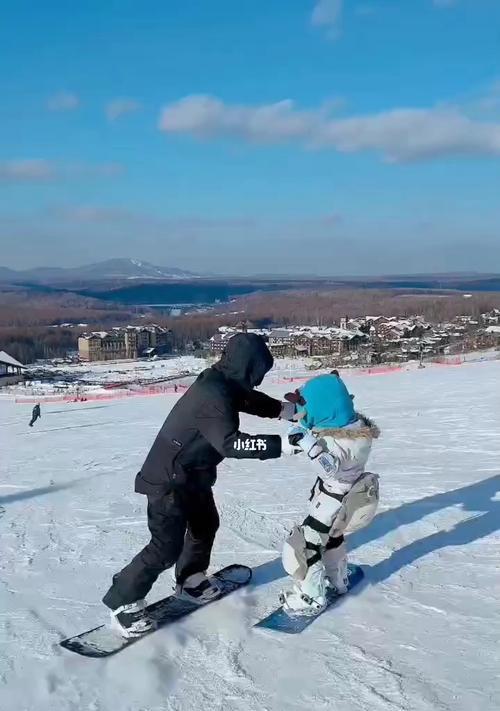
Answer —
(295, 437)
(296, 398)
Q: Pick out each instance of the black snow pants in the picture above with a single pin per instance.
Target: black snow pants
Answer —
(183, 525)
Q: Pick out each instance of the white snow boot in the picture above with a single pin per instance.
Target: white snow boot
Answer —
(132, 620)
(308, 596)
(198, 588)
(335, 562)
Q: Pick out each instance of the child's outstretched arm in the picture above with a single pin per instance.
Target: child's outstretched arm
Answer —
(325, 464)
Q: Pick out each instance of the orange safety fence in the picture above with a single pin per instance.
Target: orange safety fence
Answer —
(92, 397)
(447, 360)
(374, 370)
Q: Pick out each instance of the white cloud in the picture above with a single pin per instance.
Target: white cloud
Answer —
(34, 170)
(399, 135)
(64, 101)
(26, 171)
(206, 116)
(120, 107)
(327, 14)
(413, 134)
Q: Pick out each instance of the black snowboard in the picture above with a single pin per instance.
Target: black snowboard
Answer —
(103, 641)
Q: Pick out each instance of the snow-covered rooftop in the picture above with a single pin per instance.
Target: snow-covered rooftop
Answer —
(6, 359)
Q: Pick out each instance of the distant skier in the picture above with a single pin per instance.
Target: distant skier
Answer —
(337, 441)
(180, 470)
(35, 414)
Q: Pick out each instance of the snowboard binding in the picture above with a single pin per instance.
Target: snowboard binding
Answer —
(311, 607)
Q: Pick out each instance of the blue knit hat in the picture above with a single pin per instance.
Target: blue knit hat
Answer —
(328, 403)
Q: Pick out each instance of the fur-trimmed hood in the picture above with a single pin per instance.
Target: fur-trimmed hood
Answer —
(368, 430)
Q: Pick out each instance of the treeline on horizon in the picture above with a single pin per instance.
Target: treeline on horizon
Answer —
(26, 334)
(26, 320)
(326, 308)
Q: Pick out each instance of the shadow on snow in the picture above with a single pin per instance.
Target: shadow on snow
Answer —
(78, 409)
(71, 427)
(43, 490)
(478, 498)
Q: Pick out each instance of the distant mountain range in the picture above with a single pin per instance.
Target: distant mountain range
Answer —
(135, 281)
(111, 269)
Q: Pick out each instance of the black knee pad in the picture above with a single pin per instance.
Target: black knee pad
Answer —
(334, 543)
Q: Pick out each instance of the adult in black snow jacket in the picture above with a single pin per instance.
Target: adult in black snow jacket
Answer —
(35, 414)
(180, 470)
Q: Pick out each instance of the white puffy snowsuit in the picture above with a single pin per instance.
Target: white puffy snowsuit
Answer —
(343, 499)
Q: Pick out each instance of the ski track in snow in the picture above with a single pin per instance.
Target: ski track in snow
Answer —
(421, 634)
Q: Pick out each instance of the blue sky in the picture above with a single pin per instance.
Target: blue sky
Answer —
(293, 136)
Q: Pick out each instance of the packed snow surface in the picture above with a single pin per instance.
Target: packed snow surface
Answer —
(127, 370)
(422, 634)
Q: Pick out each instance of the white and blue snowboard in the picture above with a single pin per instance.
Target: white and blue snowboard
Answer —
(103, 641)
(281, 621)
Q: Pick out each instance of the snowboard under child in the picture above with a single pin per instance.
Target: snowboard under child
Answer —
(337, 442)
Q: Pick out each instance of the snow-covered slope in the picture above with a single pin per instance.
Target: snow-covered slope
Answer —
(126, 371)
(421, 635)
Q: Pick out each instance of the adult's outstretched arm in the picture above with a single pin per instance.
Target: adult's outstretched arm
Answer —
(219, 425)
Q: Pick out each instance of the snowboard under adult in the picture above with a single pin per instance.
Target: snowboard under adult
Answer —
(104, 641)
(281, 621)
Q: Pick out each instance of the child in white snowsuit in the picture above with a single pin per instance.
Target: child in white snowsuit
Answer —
(344, 498)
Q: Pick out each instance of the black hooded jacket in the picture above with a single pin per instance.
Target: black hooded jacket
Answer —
(203, 427)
